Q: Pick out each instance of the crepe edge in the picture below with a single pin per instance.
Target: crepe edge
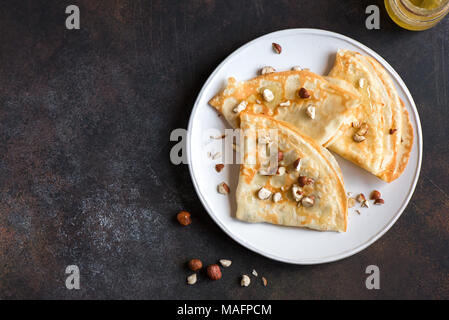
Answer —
(218, 100)
(401, 156)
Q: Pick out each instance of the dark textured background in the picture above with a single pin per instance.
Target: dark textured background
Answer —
(85, 176)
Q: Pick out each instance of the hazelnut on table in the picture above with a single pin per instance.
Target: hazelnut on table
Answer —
(214, 272)
(184, 218)
(195, 264)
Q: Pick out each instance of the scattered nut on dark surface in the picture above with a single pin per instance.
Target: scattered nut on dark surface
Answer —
(184, 218)
(195, 264)
(264, 281)
(214, 272)
(225, 263)
(192, 279)
(245, 281)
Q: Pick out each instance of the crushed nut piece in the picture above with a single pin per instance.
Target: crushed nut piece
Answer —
(379, 201)
(219, 167)
(191, 279)
(277, 197)
(268, 95)
(303, 180)
(240, 107)
(218, 137)
(360, 197)
(392, 131)
(285, 104)
(297, 193)
(225, 263)
(363, 130)
(255, 273)
(223, 188)
(264, 281)
(358, 212)
(349, 194)
(365, 204)
(281, 171)
(375, 195)
(362, 82)
(311, 111)
(296, 68)
(358, 138)
(245, 281)
(355, 124)
(297, 164)
(303, 93)
(264, 194)
(277, 48)
(267, 70)
(216, 155)
(308, 201)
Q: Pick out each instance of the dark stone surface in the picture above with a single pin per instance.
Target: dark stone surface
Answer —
(85, 176)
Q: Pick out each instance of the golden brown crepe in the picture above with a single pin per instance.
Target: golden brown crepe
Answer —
(330, 102)
(308, 192)
(377, 135)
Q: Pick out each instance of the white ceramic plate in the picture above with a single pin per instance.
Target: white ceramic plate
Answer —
(314, 49)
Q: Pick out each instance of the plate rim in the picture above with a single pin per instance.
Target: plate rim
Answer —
(405, 203)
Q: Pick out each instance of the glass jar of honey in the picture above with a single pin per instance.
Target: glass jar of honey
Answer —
(417, 14)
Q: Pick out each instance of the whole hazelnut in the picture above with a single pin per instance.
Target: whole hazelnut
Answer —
(184, 218)
(375, 195)
(214, 272)
(195, 264)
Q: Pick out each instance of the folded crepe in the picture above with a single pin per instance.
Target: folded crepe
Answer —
(377, 135)
(315, 106)
(307, 187)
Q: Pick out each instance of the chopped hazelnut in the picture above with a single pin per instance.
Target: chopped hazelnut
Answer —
(303, 93)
